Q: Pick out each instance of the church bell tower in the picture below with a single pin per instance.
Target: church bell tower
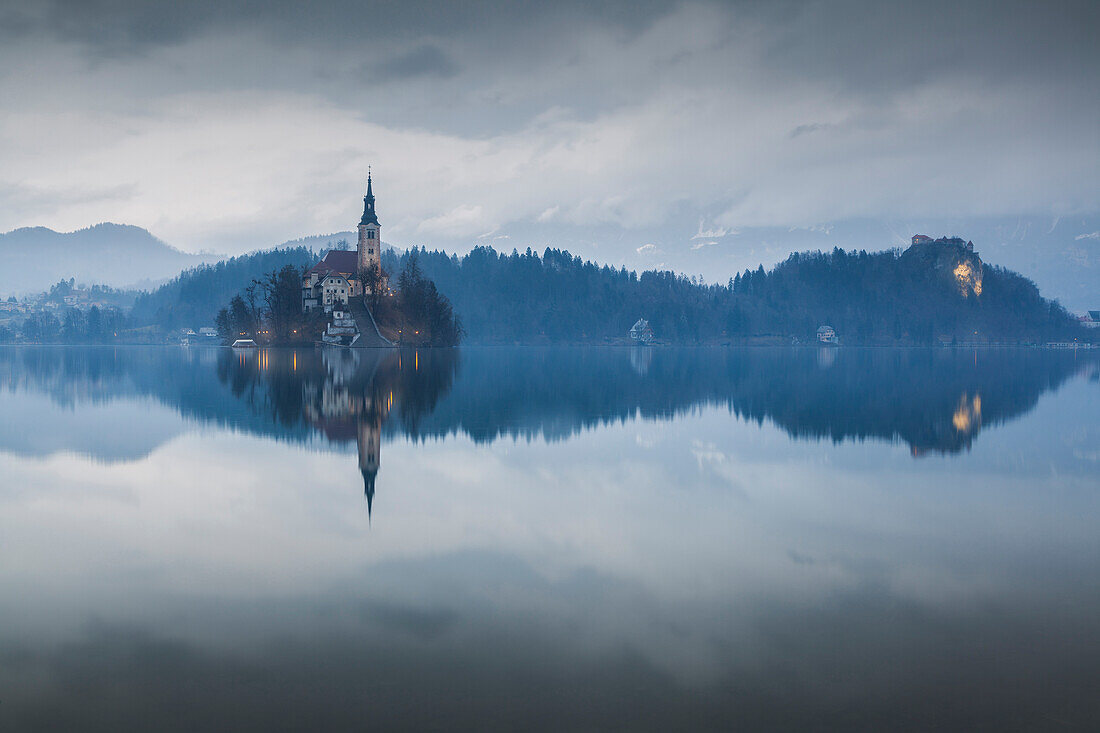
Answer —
(370, 233)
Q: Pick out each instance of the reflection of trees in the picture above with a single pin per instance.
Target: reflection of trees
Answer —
(912, 395)
(931, 399)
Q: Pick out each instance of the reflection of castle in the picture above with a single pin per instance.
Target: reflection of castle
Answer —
(965, 423)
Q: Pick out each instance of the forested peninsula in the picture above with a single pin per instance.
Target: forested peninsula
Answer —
(934, 292)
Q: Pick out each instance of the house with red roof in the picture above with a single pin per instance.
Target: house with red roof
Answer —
(332, 281)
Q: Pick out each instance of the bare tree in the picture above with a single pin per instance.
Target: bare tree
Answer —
(282, 300)
(374, 280)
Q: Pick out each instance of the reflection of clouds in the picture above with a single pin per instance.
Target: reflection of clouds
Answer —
(596, 552)
(34, 424)
(799, 559)
(293, 512)
(706, 453)
(544, 671)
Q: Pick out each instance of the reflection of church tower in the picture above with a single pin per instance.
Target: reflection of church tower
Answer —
(369, 442)
(370, 233)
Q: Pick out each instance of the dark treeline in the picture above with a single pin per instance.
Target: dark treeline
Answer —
(269, 309)
(193, 299)
(420, 313)
(92, 326)
(890, 297)
(869, 298)
(105, 321)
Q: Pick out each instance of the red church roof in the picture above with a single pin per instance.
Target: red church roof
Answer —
(344, 262)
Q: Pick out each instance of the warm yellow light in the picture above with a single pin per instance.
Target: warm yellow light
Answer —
(967, 279)
(962, 277)
(961, 420)
(968, 415)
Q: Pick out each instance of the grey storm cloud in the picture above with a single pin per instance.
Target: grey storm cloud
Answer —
(426, 60)
(807, 129)
(128, 26)
(873, 46)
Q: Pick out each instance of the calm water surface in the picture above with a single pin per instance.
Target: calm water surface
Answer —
(549, 539)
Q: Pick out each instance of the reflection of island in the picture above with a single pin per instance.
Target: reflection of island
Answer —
(352, 402)
(933, 400)
(346, 395)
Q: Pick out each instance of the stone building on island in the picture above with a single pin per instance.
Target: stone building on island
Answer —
(340, 276)
(342, 281)
(332, 281)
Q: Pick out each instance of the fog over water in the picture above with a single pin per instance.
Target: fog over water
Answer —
(555, 539)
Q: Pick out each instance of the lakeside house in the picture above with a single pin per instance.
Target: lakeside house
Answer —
(641, 332)
(826, 335)
(332, 281)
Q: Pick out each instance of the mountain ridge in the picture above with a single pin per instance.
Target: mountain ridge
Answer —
(120, 255)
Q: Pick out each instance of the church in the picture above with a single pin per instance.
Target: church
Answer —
(339, 276)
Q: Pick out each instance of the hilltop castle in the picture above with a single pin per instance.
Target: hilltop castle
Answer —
(952, 241)
(949, 253)
(342, 275)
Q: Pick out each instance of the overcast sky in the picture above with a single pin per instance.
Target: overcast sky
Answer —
(219, 127)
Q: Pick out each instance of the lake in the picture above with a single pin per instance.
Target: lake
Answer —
(549, 539)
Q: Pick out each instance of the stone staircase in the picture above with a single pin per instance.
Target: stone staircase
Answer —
(342, 330)
(369, 336)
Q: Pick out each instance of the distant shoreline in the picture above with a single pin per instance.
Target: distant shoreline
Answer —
(1084, 346)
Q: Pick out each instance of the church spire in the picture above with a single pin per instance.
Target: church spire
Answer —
(368, 488)
(369, 216)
